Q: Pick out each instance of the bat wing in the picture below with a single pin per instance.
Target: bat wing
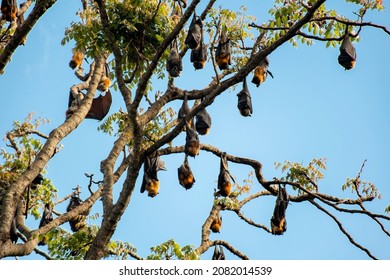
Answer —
(245, 101)
(203, 122)
(223, 52)
(174, 62)
(184, 109)
(194, 36)
(278, 220)
(347, 56)
(199, 56)
(191, 146)
(100, 107)
(47, 215)
(221, 253)
(216, 253)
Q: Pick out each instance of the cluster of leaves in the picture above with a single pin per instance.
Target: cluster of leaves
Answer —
(138, 28)
(171, 250)
(307, 176)
(155, 129)
(362, 187)
(24, 149)
(323, 24)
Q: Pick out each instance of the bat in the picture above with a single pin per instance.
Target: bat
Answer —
(13, 231)
(199, 56)
(105, 81)
(216, 224)
(261, 72)
(184, 172)
(218, 255)
(174, 63)
(77, 60)
(194, 35)
(224, 183)
(150, 180)
(9, 9)
(203, 122)
(99, 108)
(77, 222)
(176, 14)
(184, 109)
(37, 181)
(278, 220)
(192, 144)
(47, 217)
(223, 52)
(244, 104)
(347, 56)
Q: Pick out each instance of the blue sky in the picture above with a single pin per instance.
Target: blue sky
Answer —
(312, 109)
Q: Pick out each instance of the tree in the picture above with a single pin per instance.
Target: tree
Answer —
(135, 39)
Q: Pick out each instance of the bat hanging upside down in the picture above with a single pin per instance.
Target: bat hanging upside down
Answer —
(150, 182)
(278, 220)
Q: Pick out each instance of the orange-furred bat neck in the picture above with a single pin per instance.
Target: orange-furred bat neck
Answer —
(216, 225)
(153, 188)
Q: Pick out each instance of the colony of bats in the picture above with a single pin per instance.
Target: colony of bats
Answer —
(201, 126)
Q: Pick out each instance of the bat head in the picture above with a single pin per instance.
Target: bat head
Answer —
(216, 224)
(186, 178)
(153, 187)
(203, 122)
(199, 57)
(104, 84)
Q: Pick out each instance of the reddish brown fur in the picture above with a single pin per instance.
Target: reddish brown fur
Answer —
(223, 61)
(216, 225)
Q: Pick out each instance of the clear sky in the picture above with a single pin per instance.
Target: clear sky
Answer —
(313, 108)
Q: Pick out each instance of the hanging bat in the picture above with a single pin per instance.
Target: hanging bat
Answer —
(105, 81)
(218, 255)
(177, 14)
(77, 60)
(223, 52)
(199, 56)
(194, 35)
(174, 63)
(150, 180)
(13, 231)
(203, 122)
(245, 101)
(9, 9)
(278, 220)
(184, 109)
(216, 224)
(99, 108)
(224, 183)
(37, 181)
(192, 145)
(184, 172)
(347, 56)
(261, 72)
(77, 222)
(47, 217)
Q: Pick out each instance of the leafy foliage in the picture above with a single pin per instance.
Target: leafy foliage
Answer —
(170, 250)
